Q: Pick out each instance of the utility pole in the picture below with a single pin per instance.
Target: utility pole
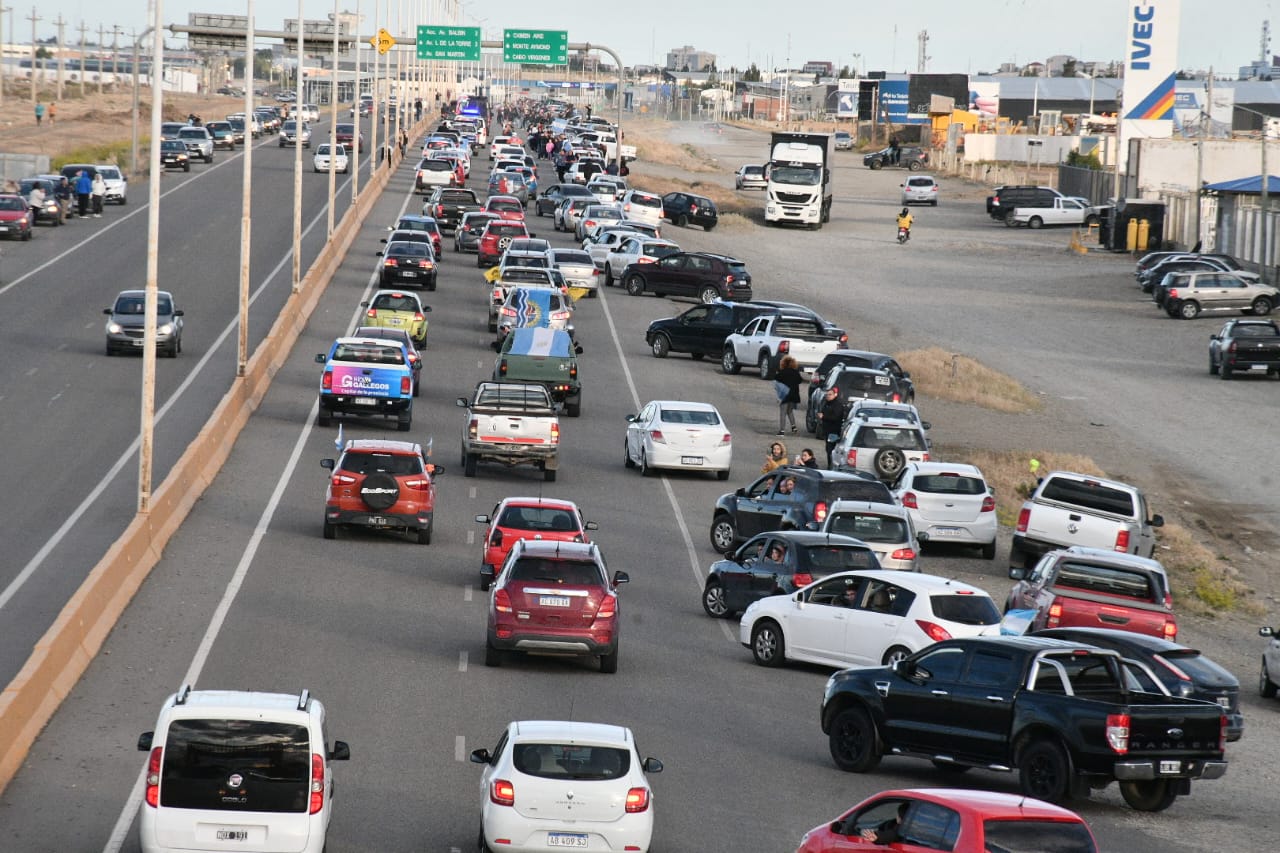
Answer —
(115, 56)
(61, 24)
(33, 17)
(2, 80)
(84, 71)
(99, 63)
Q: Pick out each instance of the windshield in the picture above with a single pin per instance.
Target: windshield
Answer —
(269, 761)
(796, 175)
(869, 527)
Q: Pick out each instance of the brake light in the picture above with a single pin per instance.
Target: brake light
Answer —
(1170, 630)
(608, 607)
(934, 631)
(851, 458)
(1023, 518)
(637, 800)
(406, 385)
(726, 440)
(596, 271)
(903, 554)
(497, 294)
(1118, 733)
(729, 280)
(1122, 541)
(897, 398)
(784, 346)
(418, 484)
(153, 777)
(555, 433)
(502, 601)
(426, 265)
(389, 262)
(909, 501)
(844, 342)
(656, 435)
(502, 793)
(326, 381)
(1173, 293)
(372, 313)
(343, 480)
(820, 511)
(1222, 732)
(1055, 615)
(317, 782)
(418, 318)
(502, 368)
(988, 504)
(439, 211)
(573, 372)
(507, 311)
(560, 315)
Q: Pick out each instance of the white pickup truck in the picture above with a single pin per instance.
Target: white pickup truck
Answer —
(511, 423)
(1071, 210)
(1076, 509)
(765, 340)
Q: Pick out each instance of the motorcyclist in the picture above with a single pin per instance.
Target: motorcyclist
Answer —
(904, 221)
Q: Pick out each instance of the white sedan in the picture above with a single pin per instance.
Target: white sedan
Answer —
(680, 435)
(341, 163)
(572, 785)
(865, 618)
(949, 503)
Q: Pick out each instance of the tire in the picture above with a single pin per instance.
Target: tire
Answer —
(609, 662)
(468, 465)
(765, 363)
(403, 424)
(627, 461)
(989, 550)
(724, 533)
(492, 656)
(1189, 310)
(1224, 371)
(876, 165)
(729, 362)
(708, 295)
(635, 284)
(1151, 795)
(915, 166)
(424, 534)
(1267, 688)
(1089, 221)
(1044, 772)
(379, 491)
(697, 356)
(681, 221)
(323, 418)
(713, 601)
(574, 409)
(768, 646)
(722, 475)
(853, 741)
(187, 167)
(710, 226)
(1213, 368)
(330, 531)
(1035, 222)
(1261, 307)
(548, 475)
(661, 346)
(894, 654)
(934, 203)
(889, 462)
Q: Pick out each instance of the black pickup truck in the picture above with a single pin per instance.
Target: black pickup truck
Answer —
(1244, 346)
(447, 205)
(1065, 715)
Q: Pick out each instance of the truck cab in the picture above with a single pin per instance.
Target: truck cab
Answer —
(798, 179)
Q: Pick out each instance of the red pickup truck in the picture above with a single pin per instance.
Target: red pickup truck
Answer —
(1095, 588)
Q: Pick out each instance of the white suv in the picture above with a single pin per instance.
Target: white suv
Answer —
(236, 769)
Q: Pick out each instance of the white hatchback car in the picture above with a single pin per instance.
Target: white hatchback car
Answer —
(341, 163)
(680, 435)
(230, 769)
(886, 528)
(569, 785)
(865, 618)
(920, 189)
(949, 502)
(642, 207)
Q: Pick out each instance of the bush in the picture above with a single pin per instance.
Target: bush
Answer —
(1084, 161)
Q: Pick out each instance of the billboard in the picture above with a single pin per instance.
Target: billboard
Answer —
(922, 87)
(1150, 68)
(893, 102)
(846, 98)
(984, 98)
(1191, 104)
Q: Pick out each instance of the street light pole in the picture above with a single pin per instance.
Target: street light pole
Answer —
(246, 195)
(145, 443)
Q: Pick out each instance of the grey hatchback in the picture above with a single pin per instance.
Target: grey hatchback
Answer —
(127, 316)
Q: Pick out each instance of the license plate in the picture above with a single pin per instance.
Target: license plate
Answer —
(690, 460)
(407, 274)
(882, 380)
(947, 531)
(554, 601)
(1224, 701)
(233, 835)
(377, 521)
(1170, 766)
(366, 401)
(137, 343)
(4, 227)
(396, 321)
(566, 839)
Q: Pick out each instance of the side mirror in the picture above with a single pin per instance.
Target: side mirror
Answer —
(144, 739)
(426, 309)
(327, 463)
(531, 234)
(742, 493)
(1018, 572)
(106, 311)
(1262, 632)
(798, 598)
(577, 350)
(482, 519)
(341, 752)
(463, 403)
(621, 577)
(904, 667)
(179, 313)
(480, 756)
(366, 304)
(321, 358)
(1157, 521)
(590, 525)
(631, 419)
(495, 346)
(651, 765)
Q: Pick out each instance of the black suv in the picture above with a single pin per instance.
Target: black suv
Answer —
(788, 498)
(702, 330)
(909, 157)
(684, 208)
(1004, 200)
(702, 275)
(863, 358)
(853, 383)
(173, 155)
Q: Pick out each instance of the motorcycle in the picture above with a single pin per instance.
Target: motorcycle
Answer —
(904, 234)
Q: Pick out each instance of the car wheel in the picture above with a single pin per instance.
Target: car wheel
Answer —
(854, 745)
(1224, 371)
(379, 491)
(1189, 310)
(627, 461)
(768, 646)
(1213, 367)
(876, 165)
(330, 531)
(1044, 772)
(573, 408)
(492, 657)
(1266, 687)
(110, 349)
(710, 226)
(1035, 222)
(635, 284)
(681, 220)
(934, 203)
(729, 362)
(424, 534)
(468, 465)
(895, 654)
(1261, 306)
(323, 418)
(722, 475)
(548, 475)
(609, 662)
(723, 534)
(709, 294)
(713, 601)
(765, 363)
(661, 346)
(1152, 795)
(645, 469)
(889, 462)
(186, 167)
(989, 550)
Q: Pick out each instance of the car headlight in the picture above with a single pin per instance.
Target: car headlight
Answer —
(166, 329)
(113, 328)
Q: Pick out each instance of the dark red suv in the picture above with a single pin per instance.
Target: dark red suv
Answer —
(381, 485)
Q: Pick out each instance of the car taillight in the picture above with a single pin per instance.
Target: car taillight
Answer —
(507, 311)
(426, 265)
(1173, 293)
(555, 433)
(897, 398)
(326, 381)
(656, 435)
(317, 782)
(637, 800)
(1122, 541)
(502, 368)
(406, 385)
(820, 511)
(153, 777)
(1055, 615)
(844, 342)
(1170, 630)
(502, 601)
(933, 630)
(784, 347)
(418, 484)
(909, 501)
(1023, 518)
(596, 271)
(726, 440)
(418, 318)
(903, 554)
(851, 458)
(608, 607)
(588, 223)
(800, 579)
(1222, 733)
(560, 315)
(502, 793)
(439, 211)
(343, 480)
(389, 262)
(498, 295)
(573, 371)
(729, 280)
(372, 313)
(1118, 733)
(693, 208)
(988, 504)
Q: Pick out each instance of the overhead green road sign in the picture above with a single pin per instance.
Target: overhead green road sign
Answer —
(457, 44)
(536, 47)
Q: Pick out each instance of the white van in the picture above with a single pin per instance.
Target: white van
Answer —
(230, 769)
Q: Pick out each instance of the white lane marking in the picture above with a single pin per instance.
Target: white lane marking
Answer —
(63, 347)
(471, 537)
(125, 821)
(460, 748)
(462, 661)
(694, 563)
(55, 397)
(467, 592)
(32, 371)
(471, 493)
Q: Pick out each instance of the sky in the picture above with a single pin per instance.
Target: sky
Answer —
(969, 37)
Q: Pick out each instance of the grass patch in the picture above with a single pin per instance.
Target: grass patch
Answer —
(1203, 582)
(652, 149)
(108, 152)
(950, 376)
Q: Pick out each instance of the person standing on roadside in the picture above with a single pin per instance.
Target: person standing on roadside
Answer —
(53, 112)
(787, 384)
(99, 193)
(830, 419)
(39, 112)
(84, 191)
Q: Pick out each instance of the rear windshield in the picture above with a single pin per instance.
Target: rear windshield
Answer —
(395, 302)
(884, 436)
(436, 165)
(850, 381)
(869, 526)
(12, 203)
(658, 250)
(409, 248)
(572, 256)
(529, 261)
(507, 204)
(371, 353)
(538, 518)
(571, 761)
(855, 490)
(565, 572)
(738, 268)
(1088, 494)
(646, 200)
(965, 609)
(786, 326)
(505, 230)
(1254, 330)
(1107, 580)
(395, 464)
(236, 765)
(840, 558)
(1036, 836)
(1196, 665)
(949, 484)
(687, 416)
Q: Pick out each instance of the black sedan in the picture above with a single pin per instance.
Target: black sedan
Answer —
(779, 563)
(1183, 671)
(550, 198)
(409, 264)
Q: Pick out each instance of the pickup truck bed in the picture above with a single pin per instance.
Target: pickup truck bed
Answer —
(766, 340)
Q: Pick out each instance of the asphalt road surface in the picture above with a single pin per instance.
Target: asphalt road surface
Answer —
(389, 634)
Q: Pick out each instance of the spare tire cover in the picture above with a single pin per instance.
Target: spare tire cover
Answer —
(380, 491)
(889, 461)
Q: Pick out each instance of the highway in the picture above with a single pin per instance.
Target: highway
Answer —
(389, 634)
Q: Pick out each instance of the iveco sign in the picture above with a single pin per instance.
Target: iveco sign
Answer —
(1151, 66)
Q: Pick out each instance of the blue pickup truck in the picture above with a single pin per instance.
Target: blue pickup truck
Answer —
(366, 377)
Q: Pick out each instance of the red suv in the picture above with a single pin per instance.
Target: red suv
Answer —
(382, 485)
(527, 518)
(554, 598)
(497, 236)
